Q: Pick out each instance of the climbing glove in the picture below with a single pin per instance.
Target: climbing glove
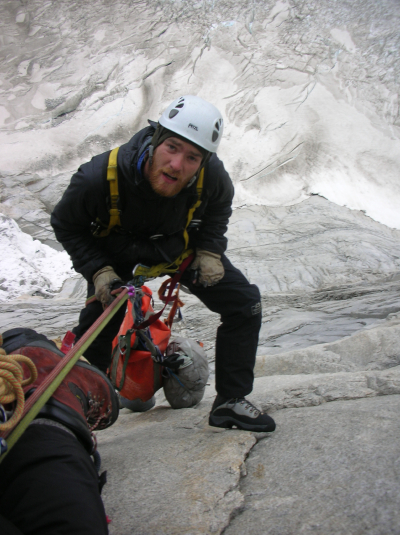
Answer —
(206, 268)
(103, 281)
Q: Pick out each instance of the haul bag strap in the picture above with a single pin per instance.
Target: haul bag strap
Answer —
(114, 365)
(117, 353)
(126, 359)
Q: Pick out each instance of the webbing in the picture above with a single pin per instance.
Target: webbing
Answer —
(169, 296)
(112, 178)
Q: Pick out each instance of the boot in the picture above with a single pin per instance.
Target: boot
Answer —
(84, 401)
(240, 413)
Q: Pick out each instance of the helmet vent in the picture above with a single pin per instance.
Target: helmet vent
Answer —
(180, 105)
(215, 136)
(172, 113)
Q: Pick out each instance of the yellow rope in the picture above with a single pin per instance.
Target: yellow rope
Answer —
(11, 383)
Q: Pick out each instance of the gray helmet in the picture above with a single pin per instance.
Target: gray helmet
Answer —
(185, 387)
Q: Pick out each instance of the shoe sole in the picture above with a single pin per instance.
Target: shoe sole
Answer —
(221, 421)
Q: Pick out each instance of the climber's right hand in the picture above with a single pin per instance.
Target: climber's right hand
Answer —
(104, 282)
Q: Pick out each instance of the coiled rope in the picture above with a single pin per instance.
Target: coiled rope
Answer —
(11, 383)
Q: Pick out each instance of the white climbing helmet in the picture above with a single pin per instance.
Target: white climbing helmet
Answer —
(196, 120)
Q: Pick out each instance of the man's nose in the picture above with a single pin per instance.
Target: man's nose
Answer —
(176, 162)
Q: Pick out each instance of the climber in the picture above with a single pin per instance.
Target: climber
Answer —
(174, 195)
(48, 481)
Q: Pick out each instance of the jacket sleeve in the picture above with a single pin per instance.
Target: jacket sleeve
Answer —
(218, 209)
(82, 203)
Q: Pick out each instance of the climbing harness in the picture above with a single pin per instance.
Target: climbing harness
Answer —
(141, 272)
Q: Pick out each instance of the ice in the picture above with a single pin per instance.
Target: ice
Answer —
(308, 91)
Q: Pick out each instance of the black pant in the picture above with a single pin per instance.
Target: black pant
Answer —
(49, 486)
(238, 303)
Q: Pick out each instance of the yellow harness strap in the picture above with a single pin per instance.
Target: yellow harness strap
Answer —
(112, 177)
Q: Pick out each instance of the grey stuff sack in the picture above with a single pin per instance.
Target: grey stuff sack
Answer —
(185, 387)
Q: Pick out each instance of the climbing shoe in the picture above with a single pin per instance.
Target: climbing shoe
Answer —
(85, 400)
(240, 413)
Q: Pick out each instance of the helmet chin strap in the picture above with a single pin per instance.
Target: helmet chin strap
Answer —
(151, 150)
(192, 181)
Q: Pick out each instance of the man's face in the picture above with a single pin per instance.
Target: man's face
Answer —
(175, 162)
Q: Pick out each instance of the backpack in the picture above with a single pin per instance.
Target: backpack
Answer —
(134, 370)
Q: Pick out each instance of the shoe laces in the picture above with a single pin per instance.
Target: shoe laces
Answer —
(248, 405)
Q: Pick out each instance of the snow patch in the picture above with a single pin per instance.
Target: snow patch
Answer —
(27, 266)
(344, 38)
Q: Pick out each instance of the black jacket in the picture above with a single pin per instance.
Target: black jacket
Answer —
(143, 214)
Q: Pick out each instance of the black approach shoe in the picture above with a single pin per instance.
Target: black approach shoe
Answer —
(241, 413)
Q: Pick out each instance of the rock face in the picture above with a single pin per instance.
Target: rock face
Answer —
(309, 92)
(330, 467)
(372, 349)
(192, 489)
